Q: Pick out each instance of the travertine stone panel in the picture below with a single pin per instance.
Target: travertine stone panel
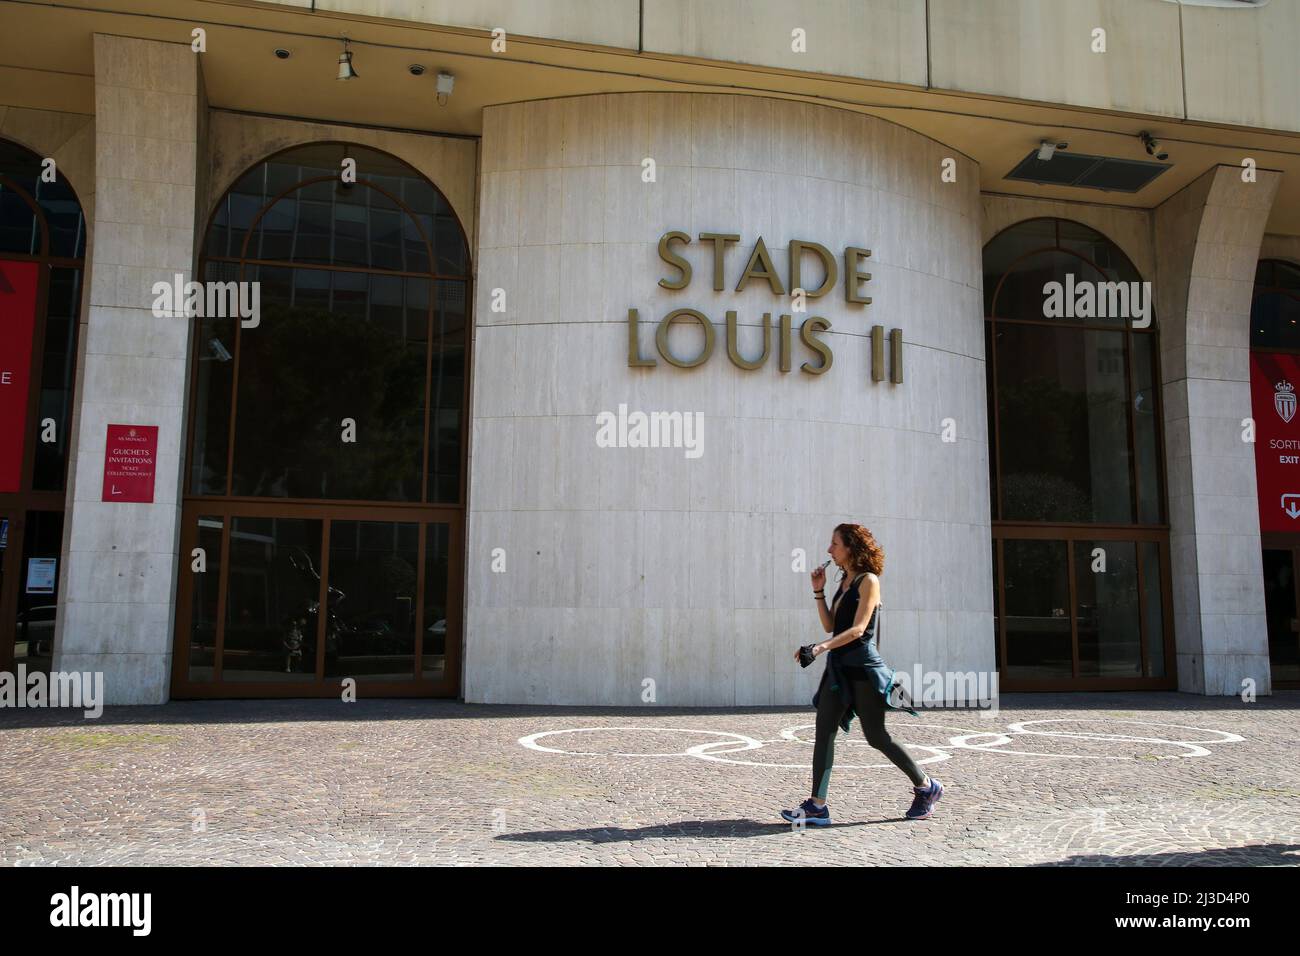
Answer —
(628, 564)
(1208, 240)
(117, 588)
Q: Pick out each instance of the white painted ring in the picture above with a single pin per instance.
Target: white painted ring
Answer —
(531, 743)
(791, 733)
(1225, 738)
(1018, 729)
(702, 751)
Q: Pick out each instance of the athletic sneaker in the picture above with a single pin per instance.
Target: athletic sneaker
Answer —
(924, 800)
(809, 812)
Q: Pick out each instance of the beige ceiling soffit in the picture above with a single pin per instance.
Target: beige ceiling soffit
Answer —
(621, 53)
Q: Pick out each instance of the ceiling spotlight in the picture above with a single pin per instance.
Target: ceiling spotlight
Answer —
(1153, 147)
(282, 53)
(416, 69)
(345, 63)
(445, 82)
(1046, 149)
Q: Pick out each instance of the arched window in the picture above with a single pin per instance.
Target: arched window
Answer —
(1075, 463)
(1275, 306)
(42, 250)
(327, 432)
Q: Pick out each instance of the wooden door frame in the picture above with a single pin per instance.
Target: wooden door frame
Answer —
(1283, 541)
(1069, 533)
(422, 512)
(182, 687)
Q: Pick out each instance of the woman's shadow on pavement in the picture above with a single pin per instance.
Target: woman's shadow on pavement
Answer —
(687, 829)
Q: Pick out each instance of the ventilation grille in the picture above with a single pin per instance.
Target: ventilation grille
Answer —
(1087, 172)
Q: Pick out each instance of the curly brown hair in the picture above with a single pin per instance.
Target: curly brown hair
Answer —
(864, 553)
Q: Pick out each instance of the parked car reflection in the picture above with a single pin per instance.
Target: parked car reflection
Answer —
(34, 638)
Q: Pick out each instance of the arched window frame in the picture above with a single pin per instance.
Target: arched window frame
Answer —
(1260, 288)
(1072, 532)
(1127, 329)
(244, 261)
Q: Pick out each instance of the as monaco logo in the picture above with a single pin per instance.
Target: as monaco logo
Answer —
(1284, 400)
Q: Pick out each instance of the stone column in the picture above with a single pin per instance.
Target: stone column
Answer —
(117, 592)
(1207, 240)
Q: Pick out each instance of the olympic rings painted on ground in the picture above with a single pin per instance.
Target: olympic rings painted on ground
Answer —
(719, 750)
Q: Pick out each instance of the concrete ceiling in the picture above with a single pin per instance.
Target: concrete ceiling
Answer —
(46, 61)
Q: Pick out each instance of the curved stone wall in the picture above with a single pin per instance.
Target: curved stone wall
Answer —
(593, 569)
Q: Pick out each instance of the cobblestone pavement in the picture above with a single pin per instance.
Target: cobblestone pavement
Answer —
(1161, 779)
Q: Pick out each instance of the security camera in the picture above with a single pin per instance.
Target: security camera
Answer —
(1153, 147)
(416, 69)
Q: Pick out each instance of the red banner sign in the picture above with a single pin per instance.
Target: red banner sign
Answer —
(17, 321)
(1274, 381)
(130, 457)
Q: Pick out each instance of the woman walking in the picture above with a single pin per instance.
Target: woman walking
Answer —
(856, 679)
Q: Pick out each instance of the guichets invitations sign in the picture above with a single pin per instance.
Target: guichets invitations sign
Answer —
(130, 461)
(18, 282)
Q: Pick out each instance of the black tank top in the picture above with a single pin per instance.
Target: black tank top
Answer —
(845, 609)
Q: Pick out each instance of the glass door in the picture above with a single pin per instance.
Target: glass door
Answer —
(288, 602)
(37, 587)
(1080, 608)
(1283, 614)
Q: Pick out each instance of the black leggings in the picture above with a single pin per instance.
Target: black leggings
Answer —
(869, 705)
